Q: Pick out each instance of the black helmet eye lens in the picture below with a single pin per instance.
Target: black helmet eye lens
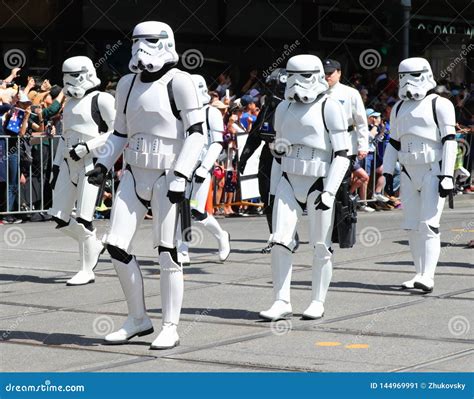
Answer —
(74, 75)
(416, 75)
(306, 75)
(154, 41)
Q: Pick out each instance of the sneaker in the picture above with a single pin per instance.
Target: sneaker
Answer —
(365, 208)
(10, 219)
(380, 197)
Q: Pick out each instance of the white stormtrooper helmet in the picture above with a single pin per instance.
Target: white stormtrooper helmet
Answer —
(153, 46)
(305, 78)
(79, 76)
(201, 88)
(416, 79)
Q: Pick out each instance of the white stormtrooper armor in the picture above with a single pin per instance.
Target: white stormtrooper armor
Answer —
(214, 128)
(159, 124)
(311, 133)
(88, 119)
(423, 141)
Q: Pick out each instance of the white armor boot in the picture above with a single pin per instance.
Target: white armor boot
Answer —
(223, 237)
(137, 323)
(90, 249)
(322, 274)
(416, 250)
(431, 247)
(281, 273)
(172, 287)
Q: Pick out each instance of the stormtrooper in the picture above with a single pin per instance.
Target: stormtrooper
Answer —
(312, 140)
(423, 141)
(88, 119)
(214, 127)
(159, 125)
(263, 130)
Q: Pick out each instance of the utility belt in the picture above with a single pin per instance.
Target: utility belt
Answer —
(420, 157)
(306, 161)
(152, 152)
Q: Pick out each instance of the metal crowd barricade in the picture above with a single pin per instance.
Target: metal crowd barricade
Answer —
(23, 205)
(32, 199)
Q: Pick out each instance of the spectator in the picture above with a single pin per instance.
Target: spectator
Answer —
(373, 162)
(15, 126)
(249, 116)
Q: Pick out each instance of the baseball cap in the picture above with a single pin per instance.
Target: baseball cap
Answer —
(331, 65)
(246, 100)
(372, 112)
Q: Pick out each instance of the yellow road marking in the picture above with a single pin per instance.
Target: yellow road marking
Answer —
(328, 344)
(357, 346)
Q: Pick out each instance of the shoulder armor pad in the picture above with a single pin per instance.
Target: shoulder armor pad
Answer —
(184, 92)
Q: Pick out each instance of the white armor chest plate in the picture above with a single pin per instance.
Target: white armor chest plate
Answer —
(302, 126)
(155, 135)
(416, 118)
(417, 132)
(78, 125)
(149, 110)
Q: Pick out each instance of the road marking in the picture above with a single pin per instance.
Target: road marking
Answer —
(357, 346)
(329, 343)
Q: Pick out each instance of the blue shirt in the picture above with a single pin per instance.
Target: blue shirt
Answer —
(243, 119)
